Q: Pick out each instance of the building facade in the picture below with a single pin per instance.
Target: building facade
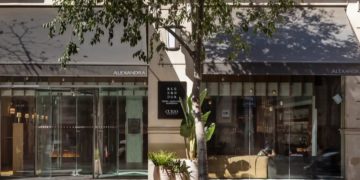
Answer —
(293, 97)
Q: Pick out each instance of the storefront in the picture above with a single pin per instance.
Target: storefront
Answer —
(87, 119)
(280, 109)
(294, 122)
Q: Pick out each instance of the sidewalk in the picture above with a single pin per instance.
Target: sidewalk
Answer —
(71, 178)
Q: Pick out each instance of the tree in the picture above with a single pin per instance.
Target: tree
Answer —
(207, 17)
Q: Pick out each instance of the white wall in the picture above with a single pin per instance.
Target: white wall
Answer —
(351, 129)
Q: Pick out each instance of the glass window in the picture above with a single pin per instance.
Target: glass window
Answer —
(290, 135)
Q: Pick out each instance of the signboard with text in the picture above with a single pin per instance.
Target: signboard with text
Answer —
(169, 93)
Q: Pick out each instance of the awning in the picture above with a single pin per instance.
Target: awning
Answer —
(312, 41)
(27, 50)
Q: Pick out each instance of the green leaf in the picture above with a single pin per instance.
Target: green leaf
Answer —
(185, 129)
(209, 131)
(203, 95)
(205, 116)
(184, 109)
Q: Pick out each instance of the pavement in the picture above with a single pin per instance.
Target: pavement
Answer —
(69, 178)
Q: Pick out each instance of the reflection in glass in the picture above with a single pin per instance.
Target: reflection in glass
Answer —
(15, 112)
(290, 130)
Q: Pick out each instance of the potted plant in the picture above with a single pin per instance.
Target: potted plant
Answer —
(187, 130)
(162, 161)
(179, 170)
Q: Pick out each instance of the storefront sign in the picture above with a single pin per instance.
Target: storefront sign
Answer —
(169, 95)
(129, 73)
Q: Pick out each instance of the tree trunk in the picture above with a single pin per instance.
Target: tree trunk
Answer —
(198, 29)
(199, 126)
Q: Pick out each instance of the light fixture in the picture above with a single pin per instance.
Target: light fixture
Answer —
(18, 115)
(270, 108)
(12, 109)
(27, 116)
(281, 103)
(33, 116)
(251, 90)
(273, 92)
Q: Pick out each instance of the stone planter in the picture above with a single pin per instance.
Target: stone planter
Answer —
(193, 168)
(158, 172)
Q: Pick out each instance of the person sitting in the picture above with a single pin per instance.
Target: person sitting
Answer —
(267, 151)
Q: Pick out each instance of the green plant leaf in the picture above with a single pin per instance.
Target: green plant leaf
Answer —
(209, 131)
(185, 129)
(205, 116)
(203, 95)
(184, 109)
(162, 158)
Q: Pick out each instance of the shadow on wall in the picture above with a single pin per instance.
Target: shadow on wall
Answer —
(24, 41)
(160, 65)
(306, 35)
(247, 166)
(17, 44)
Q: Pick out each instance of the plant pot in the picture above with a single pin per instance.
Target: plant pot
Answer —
(153, 171)
(180, 176)
(165, 174)
(158, 172)
(193, 169)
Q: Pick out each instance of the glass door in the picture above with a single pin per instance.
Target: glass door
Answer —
(120, 149)
(64, 126)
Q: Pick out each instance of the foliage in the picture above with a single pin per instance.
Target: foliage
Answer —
(187, 127)
(205, 17)
(162, 158)
(180, 167)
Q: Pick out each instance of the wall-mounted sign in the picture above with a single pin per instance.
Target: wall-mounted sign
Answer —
(134, 126)
(169, 93)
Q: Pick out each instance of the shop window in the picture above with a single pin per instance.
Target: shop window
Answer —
(296, 89)
(308, 89)
(284, 89)
(249, 89)
(224, 89)
(281, 134)
(236, 89)
(212, 88)
(260, 89)
(273, 89)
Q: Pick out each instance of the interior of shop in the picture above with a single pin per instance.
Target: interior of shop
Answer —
(293, 123)
(58, 131)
